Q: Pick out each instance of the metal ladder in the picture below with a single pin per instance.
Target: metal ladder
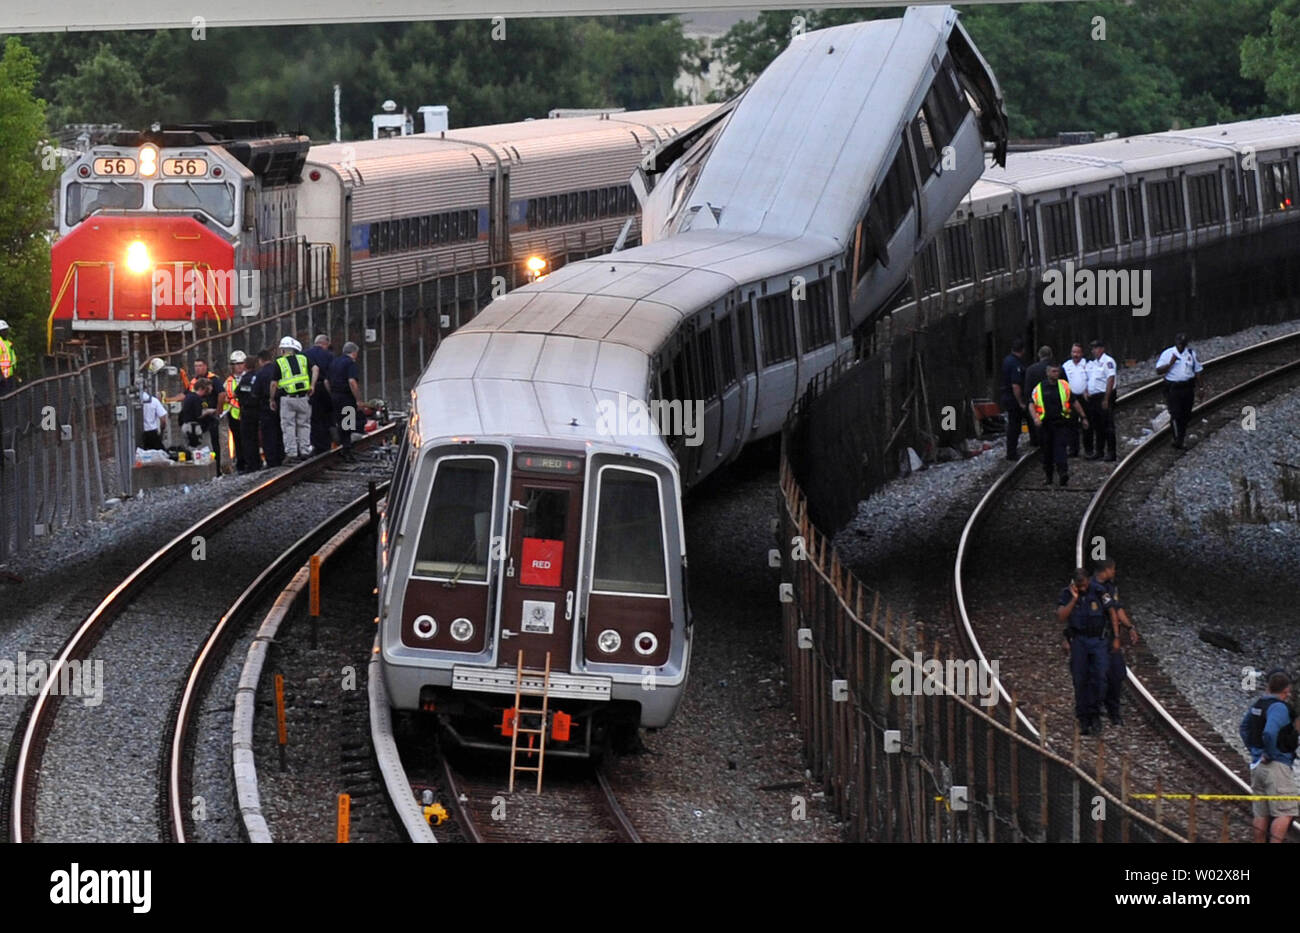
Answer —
(539, 730)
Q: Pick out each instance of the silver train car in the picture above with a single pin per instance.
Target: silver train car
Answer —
(536, 507)
(409, 207)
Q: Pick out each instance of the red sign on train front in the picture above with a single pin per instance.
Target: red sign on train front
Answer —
(543, 562)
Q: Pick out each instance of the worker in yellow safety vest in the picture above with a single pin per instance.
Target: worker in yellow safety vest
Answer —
(231, 408)
(1051, 406)
(289, 391)
(8, 361)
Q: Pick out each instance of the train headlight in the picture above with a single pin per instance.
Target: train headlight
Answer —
(462, 630)
(536, 265)
(148, 161)
(609, 641)
(645, 643)
(425, 627)
(137, 257)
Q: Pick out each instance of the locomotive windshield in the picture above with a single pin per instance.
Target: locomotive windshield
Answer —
(629, 535)
(456, 535)
(86, 197)
(217, 201)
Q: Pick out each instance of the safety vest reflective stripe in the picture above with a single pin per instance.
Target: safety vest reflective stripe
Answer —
(232, 400)
(1037, 397)
(7, 359)
(291, 382)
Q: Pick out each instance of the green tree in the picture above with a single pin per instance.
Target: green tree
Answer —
(1274, 56)
(27, 174)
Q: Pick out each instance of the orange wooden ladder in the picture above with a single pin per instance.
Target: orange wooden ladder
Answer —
(539, 730)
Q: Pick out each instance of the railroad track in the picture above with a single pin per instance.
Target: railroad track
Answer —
(105, 772)
(1019, 528)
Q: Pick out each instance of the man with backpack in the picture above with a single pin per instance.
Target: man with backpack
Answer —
(1270, 737)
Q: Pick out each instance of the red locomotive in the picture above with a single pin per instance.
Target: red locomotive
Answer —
(176, 229)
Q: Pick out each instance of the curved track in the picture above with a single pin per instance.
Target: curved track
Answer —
(131, 627)
(1024, 548)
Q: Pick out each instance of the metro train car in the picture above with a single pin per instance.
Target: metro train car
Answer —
(1112, 203)
(535, 519)
(188, 226)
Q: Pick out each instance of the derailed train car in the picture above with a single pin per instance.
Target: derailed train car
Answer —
(532, 526)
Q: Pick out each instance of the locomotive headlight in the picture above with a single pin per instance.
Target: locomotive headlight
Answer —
(148, 161)
(645, 643)
(462, 630)
(137, 257)
(609, 641)
(425, 627)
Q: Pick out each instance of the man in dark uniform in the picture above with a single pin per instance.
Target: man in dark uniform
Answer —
(343, 382)
(196, 417)
(214, 401)
(1121, 632)
(269, 417)
(1013, 402)
(1079, 607)
(1052, 406)
(250, 419)
(1033, 376)
(319, 358)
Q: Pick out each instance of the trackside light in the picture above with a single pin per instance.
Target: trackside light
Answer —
(137, 257)
(148, 161)
(535, 264)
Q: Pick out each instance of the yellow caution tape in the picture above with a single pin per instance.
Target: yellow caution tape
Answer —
(1215, 796)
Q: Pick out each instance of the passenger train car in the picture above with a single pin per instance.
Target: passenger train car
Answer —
(231, 219)
(535, 519)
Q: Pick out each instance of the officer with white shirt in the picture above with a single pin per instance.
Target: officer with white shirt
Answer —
(1180, 367)
(1075, 370)
(1101, 401)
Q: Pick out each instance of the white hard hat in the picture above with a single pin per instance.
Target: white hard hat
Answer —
(238, 356)
(297, 346)
(4, 325)
(156, 365)
(288, 343)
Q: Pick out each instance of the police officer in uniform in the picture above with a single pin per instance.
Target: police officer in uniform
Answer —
(290, 388)
(1101, 401)
(1079, 607)
(1180, 367)
(231, 407)
(1052, 406)
(1013, 401)
(269, 417)
(1122, 631)
(250, 419)
(1075, 372)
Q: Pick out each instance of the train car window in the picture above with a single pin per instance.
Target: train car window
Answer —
(1098, 232)
(604, 202)
(667, 384)
(950, 99)
(1121, 195)
(562, 210)
(776, 320)
(683, 381)
(84, 198)
(457, 528)
(547, 515)
(424, 231)
(574, 216)
(1248, 181)
(395, 489)
(215, 200)
(374, 239)
(708, 366)
(530, 214)
(1136, 221)
(626, 200)
(629, 545)
(727, 351)
(936, 119)
(929, 263)
(1166, 200)
(1058, 228)
(993, 243)
(1206, 195)
(404, 233)
(816, 325)
(465, 219)
(924, 142)
(584, 198)
(842, 302)
(745, 322)
(957, 249)
(1279, 186)
(444, 227)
